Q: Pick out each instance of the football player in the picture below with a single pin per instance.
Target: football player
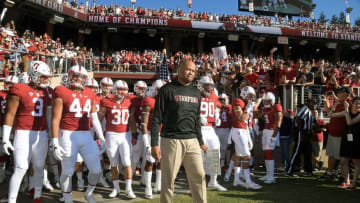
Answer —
(147, 105)
(118, 138)
(223, 130)
(210, 117)
(28, 106)
(74, 108)
(240, 135)
(9, 81)
(272, 114)
(137, 153)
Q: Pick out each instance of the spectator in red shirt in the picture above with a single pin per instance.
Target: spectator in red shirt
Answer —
(317, 144)
(251, 77)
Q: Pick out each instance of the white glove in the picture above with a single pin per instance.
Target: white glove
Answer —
(102, 145)
(58, 151)
(6, 144)
(218, 122)
(250, 107)
(251, 145)
(272, 142)
(217, 117)
(148, 150)
(203, 120)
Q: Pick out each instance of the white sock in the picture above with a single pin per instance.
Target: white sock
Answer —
(15, 182)
(247, 175)
(31, 181)
(90, 189)
(147, 178)
(158, 178)
(45, 179)
(229, 170)
(128, 184)
(37, 192)
(116, 185)
(213, 179)
(79, 175)
(236, 173)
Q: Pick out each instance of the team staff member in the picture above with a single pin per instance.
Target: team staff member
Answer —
(177, 108)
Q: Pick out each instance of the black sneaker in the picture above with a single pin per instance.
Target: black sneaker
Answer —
(327, 177)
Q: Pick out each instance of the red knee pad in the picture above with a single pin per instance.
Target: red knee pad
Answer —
(268, 154)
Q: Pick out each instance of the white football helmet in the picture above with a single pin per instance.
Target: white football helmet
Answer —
(120, 85)
(206, 85)
(37, 70)
(106, 85)
(93, 84)
(140, 88)
(9, 81)
(157, 84)
(225, 97)
(269, 96)
(81, 73)
(248, 93)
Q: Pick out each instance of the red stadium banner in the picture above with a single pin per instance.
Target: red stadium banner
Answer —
(52, 5)
(160, 22)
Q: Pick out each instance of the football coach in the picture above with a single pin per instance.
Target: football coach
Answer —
(177, 108)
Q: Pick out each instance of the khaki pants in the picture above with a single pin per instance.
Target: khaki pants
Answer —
(173, 153)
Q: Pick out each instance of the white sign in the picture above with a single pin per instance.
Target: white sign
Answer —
(251, 7)
(220, 52)
(212, 162)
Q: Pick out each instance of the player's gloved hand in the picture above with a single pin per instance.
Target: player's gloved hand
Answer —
(251, 145)
(250, 107)
(134, 138)
(101, 144)
(203, 120)
(273, 142)
(58, 151)
(217, 122)
(6, 144)
(148, 150)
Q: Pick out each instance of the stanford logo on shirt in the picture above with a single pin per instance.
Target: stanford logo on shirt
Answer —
(182, 98)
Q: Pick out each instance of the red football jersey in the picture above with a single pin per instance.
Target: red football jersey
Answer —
(269, 115)
(235, 123)
(225, 116)
(3, 96)
(31, 113)
(207, 108)
(76, 108)
(150, 102)
(117, 115)
(136, 106)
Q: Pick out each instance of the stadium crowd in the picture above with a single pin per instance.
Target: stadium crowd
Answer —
(239, 19)
(255, 86)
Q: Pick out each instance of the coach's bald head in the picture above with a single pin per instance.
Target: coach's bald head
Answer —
(186, 72)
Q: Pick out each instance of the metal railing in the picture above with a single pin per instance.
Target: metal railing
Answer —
(57, 64)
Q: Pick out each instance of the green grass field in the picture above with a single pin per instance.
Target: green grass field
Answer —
(302, 190)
